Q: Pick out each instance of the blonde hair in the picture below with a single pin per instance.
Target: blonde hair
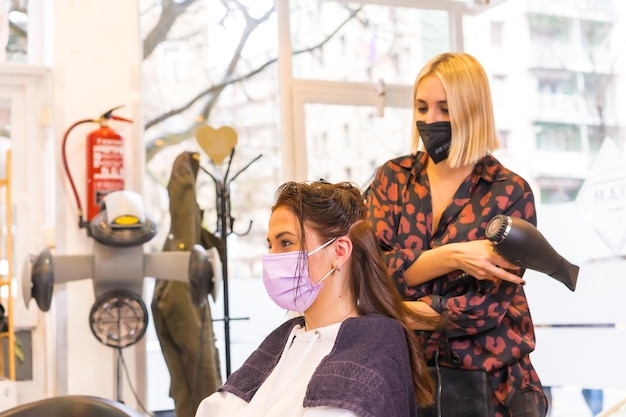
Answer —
(469, 104)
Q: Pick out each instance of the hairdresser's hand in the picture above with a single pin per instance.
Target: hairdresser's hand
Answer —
(478, 259)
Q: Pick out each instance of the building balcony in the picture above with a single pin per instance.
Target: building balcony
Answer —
(575, 109)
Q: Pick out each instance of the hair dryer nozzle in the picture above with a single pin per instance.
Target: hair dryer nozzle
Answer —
(521, 243)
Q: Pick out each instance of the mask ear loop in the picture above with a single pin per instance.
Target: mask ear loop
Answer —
(323, 246)
(333, 268)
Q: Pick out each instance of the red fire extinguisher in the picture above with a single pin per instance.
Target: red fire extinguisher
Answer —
(105, 163)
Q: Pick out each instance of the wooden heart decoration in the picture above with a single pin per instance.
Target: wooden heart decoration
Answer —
(217, 143)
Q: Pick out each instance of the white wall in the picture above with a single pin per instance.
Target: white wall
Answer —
(96, 66)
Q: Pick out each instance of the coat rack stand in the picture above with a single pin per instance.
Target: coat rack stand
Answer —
(224, 228)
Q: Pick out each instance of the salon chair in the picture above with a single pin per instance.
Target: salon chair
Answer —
(72, 406)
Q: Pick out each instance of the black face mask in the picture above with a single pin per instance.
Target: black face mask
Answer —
(437, 138)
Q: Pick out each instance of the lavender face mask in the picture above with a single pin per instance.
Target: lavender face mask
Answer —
(287, 280)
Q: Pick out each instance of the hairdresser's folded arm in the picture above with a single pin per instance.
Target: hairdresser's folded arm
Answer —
(476, 258)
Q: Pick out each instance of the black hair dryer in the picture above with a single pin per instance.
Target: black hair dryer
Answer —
(521, 243)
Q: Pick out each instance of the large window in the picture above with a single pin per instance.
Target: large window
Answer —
(557, 82)
(558, 190)
(354, 141)
(364, 42)
(558, 137)
(549, 28)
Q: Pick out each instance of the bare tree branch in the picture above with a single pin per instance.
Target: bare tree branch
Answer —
(213, 92)
(170, 11)
(251, 25)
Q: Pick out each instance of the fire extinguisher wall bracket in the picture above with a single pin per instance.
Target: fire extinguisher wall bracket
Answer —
(105, 164)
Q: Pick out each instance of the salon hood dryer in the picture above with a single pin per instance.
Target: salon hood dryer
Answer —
(118, 266)
(520, 242)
